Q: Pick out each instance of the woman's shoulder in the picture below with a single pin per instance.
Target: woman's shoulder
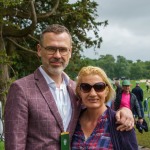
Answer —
(111, 112)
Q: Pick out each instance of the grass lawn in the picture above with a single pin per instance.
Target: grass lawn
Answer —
(143, 139)
(1, 145)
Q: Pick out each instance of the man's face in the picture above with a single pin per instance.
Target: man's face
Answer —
(54, 63)
(126, 88)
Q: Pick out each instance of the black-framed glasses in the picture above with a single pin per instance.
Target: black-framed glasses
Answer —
(98, 87)
(53, 49)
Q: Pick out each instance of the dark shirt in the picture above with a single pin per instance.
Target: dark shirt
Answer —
(118, 89)
(138, 92)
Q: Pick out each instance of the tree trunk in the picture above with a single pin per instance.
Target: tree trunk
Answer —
(4, 76)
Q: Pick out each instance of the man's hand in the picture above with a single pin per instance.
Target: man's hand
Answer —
(125, 119)
(140, 121)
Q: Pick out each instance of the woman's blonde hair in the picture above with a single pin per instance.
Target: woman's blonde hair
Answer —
(91, 70)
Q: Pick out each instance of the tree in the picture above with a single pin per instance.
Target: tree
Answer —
(136, 71)
(147, 69)
(107, 62)
(115, 68)
(122, 68)
(21, 21)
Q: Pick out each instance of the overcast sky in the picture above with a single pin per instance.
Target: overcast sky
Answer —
(128, 32)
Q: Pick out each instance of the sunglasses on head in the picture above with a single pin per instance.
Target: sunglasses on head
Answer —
(98, 87)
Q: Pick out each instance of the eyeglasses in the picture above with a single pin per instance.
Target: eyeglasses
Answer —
(98, 87)
(52, 50)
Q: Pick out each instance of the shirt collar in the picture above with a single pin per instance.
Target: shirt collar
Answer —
(50, 81)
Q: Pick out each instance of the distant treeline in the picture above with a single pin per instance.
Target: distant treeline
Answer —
(115, 68)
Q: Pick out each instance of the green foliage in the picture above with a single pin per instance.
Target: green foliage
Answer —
(11, 2)
(104, 62)
(23, 64)
(75, 65)
(4, 59)
(122, 67)
(115, 68)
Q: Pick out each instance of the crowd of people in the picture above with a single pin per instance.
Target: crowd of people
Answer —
(134, 100)
(137, 91)
(46, 110)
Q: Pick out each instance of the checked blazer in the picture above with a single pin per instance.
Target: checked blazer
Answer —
(31, 117)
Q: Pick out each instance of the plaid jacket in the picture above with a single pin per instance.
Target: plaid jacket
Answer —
(32, 120)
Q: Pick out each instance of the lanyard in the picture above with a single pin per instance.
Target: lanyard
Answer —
(65, 142)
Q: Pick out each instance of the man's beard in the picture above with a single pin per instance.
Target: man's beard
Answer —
(57, 70)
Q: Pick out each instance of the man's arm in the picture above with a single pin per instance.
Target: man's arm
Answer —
(138, 111)
(16, 119)
(125, 119)
(142, 95)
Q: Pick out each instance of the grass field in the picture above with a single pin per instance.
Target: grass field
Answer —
(143, 139)
(1, 145)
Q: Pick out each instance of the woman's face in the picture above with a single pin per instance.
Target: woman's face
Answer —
(93, 99)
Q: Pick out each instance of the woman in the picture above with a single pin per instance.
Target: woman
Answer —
(96, 128)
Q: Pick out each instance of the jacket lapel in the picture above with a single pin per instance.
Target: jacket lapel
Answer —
(45, 91)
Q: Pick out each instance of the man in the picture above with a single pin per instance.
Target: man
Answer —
(147, 86)
(118, 87)
(128, 99)
(138, 92)
(43, 105)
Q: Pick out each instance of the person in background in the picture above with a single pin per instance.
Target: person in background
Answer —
(42, 108)
(138, 92)
(96, 127)
(128, 99)
(146, 105)
(118, 87)
(147, 86)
